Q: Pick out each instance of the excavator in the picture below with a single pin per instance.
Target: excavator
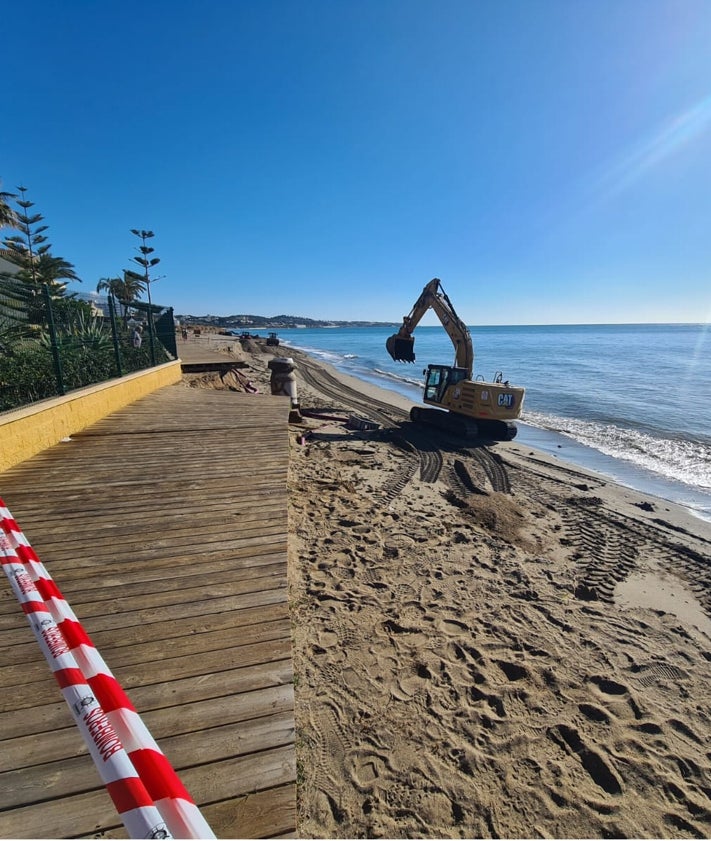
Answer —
(474, 408)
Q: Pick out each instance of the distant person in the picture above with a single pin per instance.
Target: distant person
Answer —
(136, 337)
(185, 334)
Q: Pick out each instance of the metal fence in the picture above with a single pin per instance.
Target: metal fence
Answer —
(73, 347)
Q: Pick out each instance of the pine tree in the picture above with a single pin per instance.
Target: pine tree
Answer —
(30, 251)
(146, 262)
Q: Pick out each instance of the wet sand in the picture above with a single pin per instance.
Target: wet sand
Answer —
(488, 642)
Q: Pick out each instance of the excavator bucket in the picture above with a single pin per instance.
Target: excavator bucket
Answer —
(401, 349)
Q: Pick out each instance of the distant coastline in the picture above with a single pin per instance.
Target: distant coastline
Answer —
(276, 322)
(290, 322)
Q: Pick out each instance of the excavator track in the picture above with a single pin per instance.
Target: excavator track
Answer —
(317, 378)
(493, 467)
(389, 417)
(462, 426)
(610, 546)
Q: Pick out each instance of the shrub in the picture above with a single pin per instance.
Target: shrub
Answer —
(87, 356)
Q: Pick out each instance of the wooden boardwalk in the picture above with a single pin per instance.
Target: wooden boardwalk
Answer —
(165, 526)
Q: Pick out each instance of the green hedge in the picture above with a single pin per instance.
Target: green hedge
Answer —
(28, 374)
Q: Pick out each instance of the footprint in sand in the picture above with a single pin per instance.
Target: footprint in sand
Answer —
(365, 768)
(452, 627)
(594, 714)
(618, 695)
(600, 771)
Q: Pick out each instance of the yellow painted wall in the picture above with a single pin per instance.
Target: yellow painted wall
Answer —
(27, 431)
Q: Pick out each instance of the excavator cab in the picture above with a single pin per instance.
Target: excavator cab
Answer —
(438, 378)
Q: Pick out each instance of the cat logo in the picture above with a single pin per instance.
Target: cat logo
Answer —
(506, 400)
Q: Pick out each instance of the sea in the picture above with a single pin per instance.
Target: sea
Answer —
(629, 401)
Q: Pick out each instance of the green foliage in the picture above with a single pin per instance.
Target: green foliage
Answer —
(87, 353)
(85, 344)
(125, 291)
(37, 267)
(26, 376)
(14, 303)
(145, 261)
(72, 315)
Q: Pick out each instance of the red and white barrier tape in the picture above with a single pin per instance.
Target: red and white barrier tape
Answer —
(107, 713)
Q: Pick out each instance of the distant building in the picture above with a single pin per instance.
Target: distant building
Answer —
(6, 267)
(99, 303)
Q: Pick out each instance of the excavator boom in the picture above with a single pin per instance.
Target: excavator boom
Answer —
(400, 346)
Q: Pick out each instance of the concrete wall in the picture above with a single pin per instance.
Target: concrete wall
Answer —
(27, 431)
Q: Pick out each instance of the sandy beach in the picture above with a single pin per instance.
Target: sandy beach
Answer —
(488, 642)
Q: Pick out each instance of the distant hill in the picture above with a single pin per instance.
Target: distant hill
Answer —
(274, 322)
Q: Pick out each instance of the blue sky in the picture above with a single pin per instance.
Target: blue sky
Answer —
(549, 161)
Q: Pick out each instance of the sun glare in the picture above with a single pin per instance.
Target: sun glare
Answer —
(698, 353)
(656, 147)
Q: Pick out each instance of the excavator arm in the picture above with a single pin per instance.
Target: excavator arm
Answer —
(401, 345)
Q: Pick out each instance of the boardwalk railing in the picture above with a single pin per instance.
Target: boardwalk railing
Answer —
(69, 343)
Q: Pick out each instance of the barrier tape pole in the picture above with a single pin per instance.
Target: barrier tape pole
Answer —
(171, 798)
(134, 804)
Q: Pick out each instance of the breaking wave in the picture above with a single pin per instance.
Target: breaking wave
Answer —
(686, 461)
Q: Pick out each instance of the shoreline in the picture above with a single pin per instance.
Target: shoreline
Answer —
(554, 453)
(648, 506)
(615, 468)
(488, 641)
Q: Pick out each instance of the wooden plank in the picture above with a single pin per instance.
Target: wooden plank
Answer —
(20, 679)
(254, 722)
(170, 612)
(272, 540)
(117, 600)
(165, 527)
(213, 622)
(224, 781)
(154, 650)
(77, 587)
(264, 814)
(209, 664)
(250, 526)
(261, 815)
(156, 591)
(124, 521)
(242, 560)
(54, 717)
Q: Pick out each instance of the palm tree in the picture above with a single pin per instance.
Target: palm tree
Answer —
(134, 284)
(116, 287)
(112, 285)
(125, 291)
(14, 296)
(56, 272)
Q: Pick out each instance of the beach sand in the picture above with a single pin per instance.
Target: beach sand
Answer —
(488, 642)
